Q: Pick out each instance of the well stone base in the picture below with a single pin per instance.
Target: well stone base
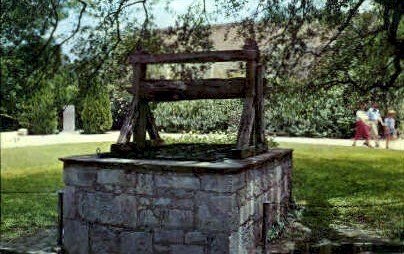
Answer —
(163, 206)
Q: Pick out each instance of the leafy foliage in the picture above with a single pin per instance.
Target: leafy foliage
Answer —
(96, 112)
(314, 116)
(198, 116)
(329, 114)
(39, 114)
(29, 52)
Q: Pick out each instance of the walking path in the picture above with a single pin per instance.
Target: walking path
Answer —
(12, 139)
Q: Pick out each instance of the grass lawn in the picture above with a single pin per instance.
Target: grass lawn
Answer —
(352, 186)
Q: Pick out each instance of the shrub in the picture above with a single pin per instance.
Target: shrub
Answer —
(325, 115)
(39, 114)
(96, 113)
(202, 116)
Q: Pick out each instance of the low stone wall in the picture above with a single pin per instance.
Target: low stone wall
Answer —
(161, 206)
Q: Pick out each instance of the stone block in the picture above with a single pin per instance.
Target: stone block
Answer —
(136, 242)
(75, 238)
(174, 203)
(108, 208)
(254, 182)
(103, 240)
(145, 202)
(169, 236)
(84, 177)
(145, 184)
(161, 249)
(222, 183)
(246, 211)
(187, 249)
(180, 181)
(278, 184)
(148, 219)
(239, 181)
(251, 189)
(246, 237)
(266, 180)
(241, 196)
(69, 201)
(179, 219)
(216, 212)
(195, 238)
(116, 177)
(258, 208)
(234, 242)
(175, 193)
(218, 244)
(278, 174)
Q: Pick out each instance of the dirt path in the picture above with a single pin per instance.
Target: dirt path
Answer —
(12, 139)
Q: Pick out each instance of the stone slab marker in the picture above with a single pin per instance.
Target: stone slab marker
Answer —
(69, 119)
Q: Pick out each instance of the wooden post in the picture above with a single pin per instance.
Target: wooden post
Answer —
(259, 125)
(151, 126)
(248, 114)
(139, 129)
(139, 71)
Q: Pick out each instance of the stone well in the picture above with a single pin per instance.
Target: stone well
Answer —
(116, 205)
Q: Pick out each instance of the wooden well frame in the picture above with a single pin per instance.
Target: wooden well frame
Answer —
(251, 132)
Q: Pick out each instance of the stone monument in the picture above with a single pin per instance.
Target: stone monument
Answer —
(149, 197)
(69, 119)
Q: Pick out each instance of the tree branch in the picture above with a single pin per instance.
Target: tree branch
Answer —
(352, 12)
(75, 31)
(56, 15)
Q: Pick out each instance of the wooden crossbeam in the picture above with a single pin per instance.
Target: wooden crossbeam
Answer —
(196, 57)
(172, 90)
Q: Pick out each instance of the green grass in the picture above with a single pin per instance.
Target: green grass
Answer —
(30, 179)
(351, 186)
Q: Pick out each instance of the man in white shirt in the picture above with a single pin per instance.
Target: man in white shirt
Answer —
(374, 120)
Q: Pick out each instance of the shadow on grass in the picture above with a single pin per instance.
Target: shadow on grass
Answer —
(358, 193)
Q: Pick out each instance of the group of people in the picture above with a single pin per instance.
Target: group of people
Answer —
(367, 125)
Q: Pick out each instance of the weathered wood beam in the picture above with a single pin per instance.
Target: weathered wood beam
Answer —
(152, 127)
(139, 128)
(196, 57)
(248, 114)
(139, 71)
(171, 90)
(259, 108)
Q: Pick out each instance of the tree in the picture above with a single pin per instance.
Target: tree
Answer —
(308, 31)
(29, 53)
(96, 110)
